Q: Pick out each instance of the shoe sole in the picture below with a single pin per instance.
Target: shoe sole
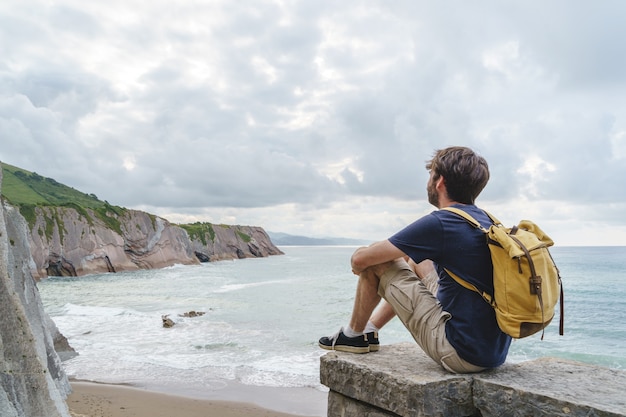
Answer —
(374, 348)
(349, 349)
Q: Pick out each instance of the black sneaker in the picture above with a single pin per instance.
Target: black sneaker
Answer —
(343, 343)
(372, 339)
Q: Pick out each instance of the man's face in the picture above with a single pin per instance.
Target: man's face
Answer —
(433, 197)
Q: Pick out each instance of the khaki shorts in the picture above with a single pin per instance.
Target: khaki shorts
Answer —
(420, 312)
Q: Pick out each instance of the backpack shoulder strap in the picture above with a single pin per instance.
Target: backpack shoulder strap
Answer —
(486, 296)
(471, 220)
(493, 218)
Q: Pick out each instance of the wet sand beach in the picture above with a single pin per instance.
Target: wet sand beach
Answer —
(90, 399)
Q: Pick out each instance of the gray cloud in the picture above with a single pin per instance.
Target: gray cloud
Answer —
(245, 106)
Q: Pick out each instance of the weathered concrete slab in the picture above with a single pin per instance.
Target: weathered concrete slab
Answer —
(399, 379)
(551, 387)
(340, 405)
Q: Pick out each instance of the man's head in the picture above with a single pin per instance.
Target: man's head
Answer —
(464, 173)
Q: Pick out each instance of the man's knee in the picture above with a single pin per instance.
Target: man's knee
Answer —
(380, 269)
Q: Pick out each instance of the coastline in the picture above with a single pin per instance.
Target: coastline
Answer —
(93, 399)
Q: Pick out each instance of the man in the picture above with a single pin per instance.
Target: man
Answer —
(452, 324)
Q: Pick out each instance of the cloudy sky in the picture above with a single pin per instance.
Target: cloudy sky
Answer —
(316, 117)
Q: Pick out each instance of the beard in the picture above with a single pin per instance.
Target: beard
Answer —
(433, 197)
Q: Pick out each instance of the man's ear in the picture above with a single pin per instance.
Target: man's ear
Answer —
(440, 183)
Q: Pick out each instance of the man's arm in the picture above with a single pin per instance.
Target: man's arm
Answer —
(375, 254)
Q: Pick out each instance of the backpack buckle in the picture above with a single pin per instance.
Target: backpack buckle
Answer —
(535, 284)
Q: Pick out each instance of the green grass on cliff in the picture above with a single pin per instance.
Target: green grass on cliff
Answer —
(244, 236)
(199, 231)
(29, 190)
(203, 230)
(23, 187)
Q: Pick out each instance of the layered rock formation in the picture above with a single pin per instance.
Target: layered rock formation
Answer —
(221, 242)
(78, 241)
(74, 241)
(32, 382)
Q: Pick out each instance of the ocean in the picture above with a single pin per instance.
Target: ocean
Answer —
(262, 319)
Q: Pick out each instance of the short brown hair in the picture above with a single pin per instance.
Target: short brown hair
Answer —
(465, 173)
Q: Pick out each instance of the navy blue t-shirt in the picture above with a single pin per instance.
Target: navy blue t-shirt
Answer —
(452, 243)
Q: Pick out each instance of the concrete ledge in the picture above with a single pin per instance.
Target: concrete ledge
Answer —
(401, 381)
(551, 387)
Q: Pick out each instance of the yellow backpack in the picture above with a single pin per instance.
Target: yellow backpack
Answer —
(526, 281)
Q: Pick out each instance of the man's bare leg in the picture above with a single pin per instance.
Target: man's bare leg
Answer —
(370, 311)
(351, 338)
(369, 306)
(366, 298)
(382, 315)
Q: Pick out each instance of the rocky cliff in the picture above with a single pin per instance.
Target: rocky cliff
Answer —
(32, 382)
(42, 240)
(212, 242)
(74, 241)
(73, 233)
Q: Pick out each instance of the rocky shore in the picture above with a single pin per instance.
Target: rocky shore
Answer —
(62, 240)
